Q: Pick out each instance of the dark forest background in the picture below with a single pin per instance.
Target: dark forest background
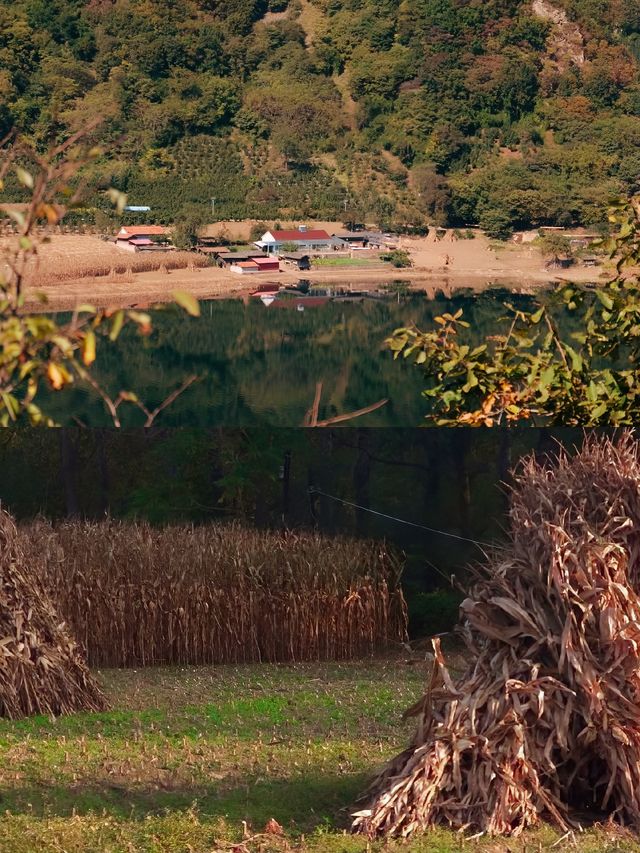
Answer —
(452, 480)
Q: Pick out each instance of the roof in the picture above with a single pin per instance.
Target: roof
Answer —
(141, 241)
(378, 235)
(233, 257)
(246, 264)
(295, 236)
(141, 230)
(263, 261)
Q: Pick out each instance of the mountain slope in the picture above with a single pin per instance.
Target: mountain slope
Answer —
(503, 112)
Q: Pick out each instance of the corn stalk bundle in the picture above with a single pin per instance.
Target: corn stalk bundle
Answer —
(546, 718)
(136, 595)
(41, 669)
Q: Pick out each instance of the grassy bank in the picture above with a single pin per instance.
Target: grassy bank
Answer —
(358, 263)
(198, 759)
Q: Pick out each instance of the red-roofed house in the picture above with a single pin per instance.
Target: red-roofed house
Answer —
(267, 264)
(303, 238)
(250, 265)
(138, 238)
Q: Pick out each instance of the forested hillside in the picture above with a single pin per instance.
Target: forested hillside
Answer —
(506, 113)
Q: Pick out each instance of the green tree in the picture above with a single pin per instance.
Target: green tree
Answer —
(40, 349)
(187, 226)
(554, 245)
(496, 223)
(530, 370)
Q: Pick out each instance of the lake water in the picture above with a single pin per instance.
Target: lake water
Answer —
(258, 365)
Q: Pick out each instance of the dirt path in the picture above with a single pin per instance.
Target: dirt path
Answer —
(350, 108)
(309, 18)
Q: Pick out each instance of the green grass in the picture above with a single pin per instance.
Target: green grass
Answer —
(197, 760)
(345, 262)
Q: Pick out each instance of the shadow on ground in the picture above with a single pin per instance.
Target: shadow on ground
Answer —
(301, 804)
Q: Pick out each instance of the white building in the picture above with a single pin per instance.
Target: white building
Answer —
(304, 239)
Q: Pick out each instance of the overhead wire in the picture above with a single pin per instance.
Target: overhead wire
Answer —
(313, 490)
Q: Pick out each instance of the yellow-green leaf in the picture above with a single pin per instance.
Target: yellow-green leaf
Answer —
(25, 178)
(89, 348)
(116, 325)
(187, 301)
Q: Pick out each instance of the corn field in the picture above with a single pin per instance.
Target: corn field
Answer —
(41, 668)
(58, 270)
(134, 595)
(546, 718)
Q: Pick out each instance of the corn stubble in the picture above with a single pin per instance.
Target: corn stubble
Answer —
(41, 669)
(546, 719)
(134, 595)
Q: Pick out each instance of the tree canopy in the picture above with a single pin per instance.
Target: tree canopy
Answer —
(285, 107)
(570, 357)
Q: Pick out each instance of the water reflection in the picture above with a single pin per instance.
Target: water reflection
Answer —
(259, 364)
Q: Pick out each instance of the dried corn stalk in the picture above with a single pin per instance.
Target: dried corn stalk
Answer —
(135, 595)
(41, 669)
(547, 715)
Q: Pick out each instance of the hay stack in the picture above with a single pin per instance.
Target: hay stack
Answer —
(41, 670)
(547, 715)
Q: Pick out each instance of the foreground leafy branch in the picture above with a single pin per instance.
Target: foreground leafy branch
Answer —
(37, 350)
(533, 369)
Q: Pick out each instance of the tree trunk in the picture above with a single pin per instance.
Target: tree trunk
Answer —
(361, 480)
(69, 470)
(103, 467)
(460, 444)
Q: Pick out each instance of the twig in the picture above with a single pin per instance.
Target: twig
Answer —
(311, 418)
(351, 415)
(151, 416)
(557, 342)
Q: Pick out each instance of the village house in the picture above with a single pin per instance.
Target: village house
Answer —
(254, 265)
(303, 239)
(300, 260)
(242, 263)
(210, 247)
(140, 238)
(582, 241)
(225, 258)
(353, 239)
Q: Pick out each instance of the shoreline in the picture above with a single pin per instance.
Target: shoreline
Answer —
(214, 284)
(445, 266)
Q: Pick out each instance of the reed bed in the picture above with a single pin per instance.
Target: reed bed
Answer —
(135, 595)
(59, 270)
(546, 718)
(41, 668)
